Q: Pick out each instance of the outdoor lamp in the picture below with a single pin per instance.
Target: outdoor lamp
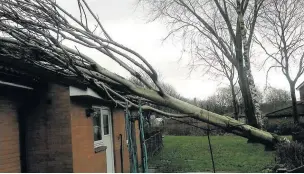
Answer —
(89, 111)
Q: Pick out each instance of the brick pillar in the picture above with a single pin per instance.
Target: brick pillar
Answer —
(48, 131)
(9, 136)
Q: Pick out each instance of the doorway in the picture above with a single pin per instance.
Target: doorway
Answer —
(106, 138)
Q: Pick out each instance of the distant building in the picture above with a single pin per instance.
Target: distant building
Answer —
(285, 114)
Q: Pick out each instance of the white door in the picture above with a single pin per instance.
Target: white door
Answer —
(107, 136)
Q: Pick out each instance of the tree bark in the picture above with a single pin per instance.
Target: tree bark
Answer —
(247, 99)
(243, 81)
(247, 70)
(294, 103)
(234, 101)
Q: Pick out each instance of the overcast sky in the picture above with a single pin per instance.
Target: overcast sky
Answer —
(128, 25)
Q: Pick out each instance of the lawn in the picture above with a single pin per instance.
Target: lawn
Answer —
(191, 154)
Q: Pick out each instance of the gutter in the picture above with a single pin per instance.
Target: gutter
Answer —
(15, 85)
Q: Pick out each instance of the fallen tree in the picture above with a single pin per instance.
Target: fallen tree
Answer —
(35, 33)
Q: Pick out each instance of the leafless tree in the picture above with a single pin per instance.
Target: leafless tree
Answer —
(276, 98)
(35, 36)
(212, 61)
(282, 39)
(221, 101)
(223, 23)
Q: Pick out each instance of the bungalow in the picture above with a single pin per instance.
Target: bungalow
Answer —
(59, 126)
(285, 114)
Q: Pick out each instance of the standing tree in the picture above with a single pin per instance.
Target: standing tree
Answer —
(276, 99)
(221, 101)
(218, 22)
(214, 62)
(282, 39)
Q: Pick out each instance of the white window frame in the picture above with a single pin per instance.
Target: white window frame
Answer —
(99, 143)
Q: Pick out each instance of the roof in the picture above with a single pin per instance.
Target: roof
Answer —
(27, 67)
(10, 74)
(32, 69)
(300, 86)
(287, 111)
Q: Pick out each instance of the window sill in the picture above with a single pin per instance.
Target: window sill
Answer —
(100, 149)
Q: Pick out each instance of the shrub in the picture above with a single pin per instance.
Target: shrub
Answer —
(291, 155)
(283, 128)
(272, 128)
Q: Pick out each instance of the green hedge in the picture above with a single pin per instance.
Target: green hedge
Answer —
(282, 128)
(291, 155)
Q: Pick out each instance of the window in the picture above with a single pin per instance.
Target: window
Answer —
(97, 127)
(106, 124)
(101, 125)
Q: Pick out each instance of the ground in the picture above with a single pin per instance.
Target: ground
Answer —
(231, 154)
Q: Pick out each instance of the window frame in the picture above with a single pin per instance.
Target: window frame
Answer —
(100, 143)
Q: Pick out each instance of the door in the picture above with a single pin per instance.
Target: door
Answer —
(107, 136)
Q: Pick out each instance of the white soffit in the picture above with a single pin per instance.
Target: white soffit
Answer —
(80, 92)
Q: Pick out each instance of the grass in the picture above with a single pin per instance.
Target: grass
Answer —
(231, 154)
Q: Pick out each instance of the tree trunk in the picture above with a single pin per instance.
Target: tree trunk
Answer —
(294, 103)
(247, 99)
(234, 101)
(243, 80)
(227, 123)
(248, 74)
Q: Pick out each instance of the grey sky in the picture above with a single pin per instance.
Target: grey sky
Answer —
(128, 25)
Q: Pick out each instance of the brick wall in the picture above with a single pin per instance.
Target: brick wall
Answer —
(138, 142)
(119, 128)
(48, 131)
(9, 136)
(84, 157)
(58, 137)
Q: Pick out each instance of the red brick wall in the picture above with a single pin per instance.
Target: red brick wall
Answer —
(48, 132)
(138, 142)
(84, 157)
(58, 135)
(9, 136)
(119, 128)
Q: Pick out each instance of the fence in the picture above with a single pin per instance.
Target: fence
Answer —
(154, 144)
(173, 127)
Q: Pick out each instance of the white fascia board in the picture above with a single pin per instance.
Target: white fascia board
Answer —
(80, 92)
